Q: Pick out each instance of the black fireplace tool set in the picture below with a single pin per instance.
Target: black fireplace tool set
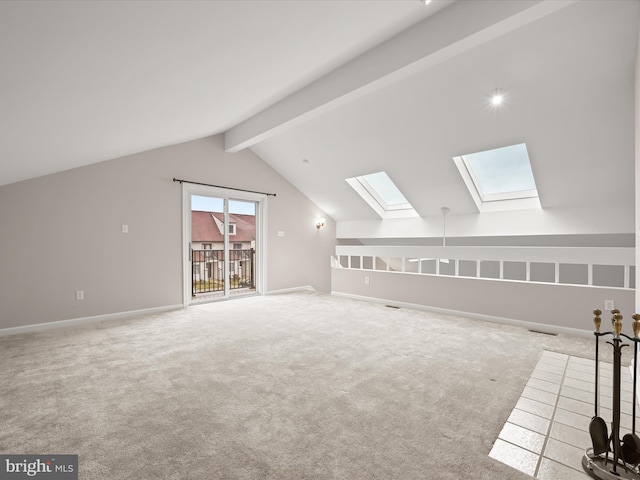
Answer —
(626, 453)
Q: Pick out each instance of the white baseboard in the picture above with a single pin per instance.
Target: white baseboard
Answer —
(85, 320)
(306, 288)
(542, 327)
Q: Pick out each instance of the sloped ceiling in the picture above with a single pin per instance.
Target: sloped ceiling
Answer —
(87, 81)
(569, 82)
(326, 90)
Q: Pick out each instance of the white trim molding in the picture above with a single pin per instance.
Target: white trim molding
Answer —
(306, 288)
(37, 327)
(539, 327)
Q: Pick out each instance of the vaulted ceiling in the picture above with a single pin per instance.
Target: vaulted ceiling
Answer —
(326, 90)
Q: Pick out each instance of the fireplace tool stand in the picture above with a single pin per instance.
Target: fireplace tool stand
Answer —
(625, 454)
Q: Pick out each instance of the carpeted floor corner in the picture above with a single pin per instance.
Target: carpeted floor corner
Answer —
(296, 386)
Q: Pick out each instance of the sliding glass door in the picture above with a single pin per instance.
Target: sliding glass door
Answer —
(222, 242)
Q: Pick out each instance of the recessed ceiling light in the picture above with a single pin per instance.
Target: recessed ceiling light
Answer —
(496, 99)
(425, 2)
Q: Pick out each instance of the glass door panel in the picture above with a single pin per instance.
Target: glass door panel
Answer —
(207, 248)
(222, 247)
(242, 247)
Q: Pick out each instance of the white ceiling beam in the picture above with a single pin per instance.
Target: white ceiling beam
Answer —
(450, 32)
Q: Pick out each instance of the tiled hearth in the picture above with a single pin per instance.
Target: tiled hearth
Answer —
(548, 431)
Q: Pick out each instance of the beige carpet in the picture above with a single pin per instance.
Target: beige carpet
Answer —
(296, 386)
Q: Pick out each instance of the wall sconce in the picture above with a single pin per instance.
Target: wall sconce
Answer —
(319, 223)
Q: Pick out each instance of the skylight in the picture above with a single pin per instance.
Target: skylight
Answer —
(500, 179)
(379, 191)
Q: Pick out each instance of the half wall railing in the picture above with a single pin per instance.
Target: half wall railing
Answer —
(590, 266)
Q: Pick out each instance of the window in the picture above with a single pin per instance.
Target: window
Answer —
(206, 246)
(379, 191)
(500, 179)
(232, 229)
(237, 246)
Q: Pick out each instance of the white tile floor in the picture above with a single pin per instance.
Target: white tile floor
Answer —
(548, 431)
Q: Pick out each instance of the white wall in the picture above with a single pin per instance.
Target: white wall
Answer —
(556, 307)
(61, 233)
(564, 306)
(549, 221)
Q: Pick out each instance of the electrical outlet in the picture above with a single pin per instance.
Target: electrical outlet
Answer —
(608, 305)
(80, 295)
(125, 228)
(366, 280)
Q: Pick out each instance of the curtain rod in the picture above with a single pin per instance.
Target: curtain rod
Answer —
(220, 186)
